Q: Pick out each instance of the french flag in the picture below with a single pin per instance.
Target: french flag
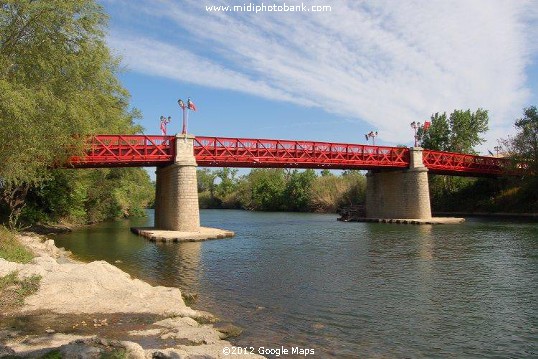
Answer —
(191, 105)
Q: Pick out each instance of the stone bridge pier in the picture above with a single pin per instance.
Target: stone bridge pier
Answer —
(176, 193)
(399, 194)
(177, 214)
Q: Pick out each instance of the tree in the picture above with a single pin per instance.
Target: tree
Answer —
(57, 84)
(460, 132)
(263, 189)
(227, 181)
(298, 190)
(206, 181)
(437, 137)
(524, 145)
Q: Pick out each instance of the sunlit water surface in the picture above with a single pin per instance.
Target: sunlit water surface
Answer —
(347, 290)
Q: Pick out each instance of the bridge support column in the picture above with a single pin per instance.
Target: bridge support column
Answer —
(176, 197)
(400, 194)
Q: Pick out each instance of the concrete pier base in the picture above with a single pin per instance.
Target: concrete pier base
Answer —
(432, 220)
(201, 234)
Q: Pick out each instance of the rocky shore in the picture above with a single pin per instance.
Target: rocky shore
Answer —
(94, 310)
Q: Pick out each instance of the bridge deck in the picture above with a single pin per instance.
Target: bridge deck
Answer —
(143, 150)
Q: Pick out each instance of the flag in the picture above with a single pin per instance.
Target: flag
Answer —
(181, 104)
(163, 126)
(191, 105)
(426, 125)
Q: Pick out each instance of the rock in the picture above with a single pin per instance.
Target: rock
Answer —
(159, 355)
(228, 330)
(6, 351)
(99, 287)
(104, 289)
(189, 329)
(36, 346)
(49, 229)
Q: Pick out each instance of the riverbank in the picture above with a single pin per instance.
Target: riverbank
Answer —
(95, 309)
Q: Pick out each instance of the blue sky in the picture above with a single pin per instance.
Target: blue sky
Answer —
(327, 76)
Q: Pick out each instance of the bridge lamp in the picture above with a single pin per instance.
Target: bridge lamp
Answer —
(372, 135)
(415, 126)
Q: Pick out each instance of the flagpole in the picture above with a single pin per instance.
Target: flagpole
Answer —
(186, 112)
(184, 131)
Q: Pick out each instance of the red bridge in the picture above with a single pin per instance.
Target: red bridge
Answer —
(143, 150)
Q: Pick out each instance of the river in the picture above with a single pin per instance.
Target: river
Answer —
(347, 290)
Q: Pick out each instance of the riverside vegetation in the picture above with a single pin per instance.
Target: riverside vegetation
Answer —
(460, 131)
(59, 83)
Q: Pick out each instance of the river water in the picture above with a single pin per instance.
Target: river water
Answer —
(347, 290)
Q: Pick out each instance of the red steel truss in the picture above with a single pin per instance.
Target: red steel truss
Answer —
(242, 152)
(127, 150)
(439, 162)
(143, 150)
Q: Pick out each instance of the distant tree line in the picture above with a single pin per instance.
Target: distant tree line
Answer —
(280, 189)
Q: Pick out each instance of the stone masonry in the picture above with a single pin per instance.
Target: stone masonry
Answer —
(176, 197)
(399, 193)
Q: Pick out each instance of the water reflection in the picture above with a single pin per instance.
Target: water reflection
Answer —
(178, 264)
(350, 289)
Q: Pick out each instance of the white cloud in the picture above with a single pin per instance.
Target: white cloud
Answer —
(385, 62)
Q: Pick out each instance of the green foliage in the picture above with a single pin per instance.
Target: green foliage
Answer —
(280, 190)
(116, 353)
(227, 181)
(11, 249)
(495, 195)
(206, 180)
(264, 190)
(460, 132)
(298, 189)
(438, 135)
(507, 195)
(524, 145)
(58, 83)
(57, 80)
(53, 354)
(88, 196)
(328, 193)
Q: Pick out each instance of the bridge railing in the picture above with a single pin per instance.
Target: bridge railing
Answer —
(242, 152)
(144, 150)
(440, 162)
(126, 150)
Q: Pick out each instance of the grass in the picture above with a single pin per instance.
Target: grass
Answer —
(13, 290)
(55, 354)
(11, 249)
(117, 353)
